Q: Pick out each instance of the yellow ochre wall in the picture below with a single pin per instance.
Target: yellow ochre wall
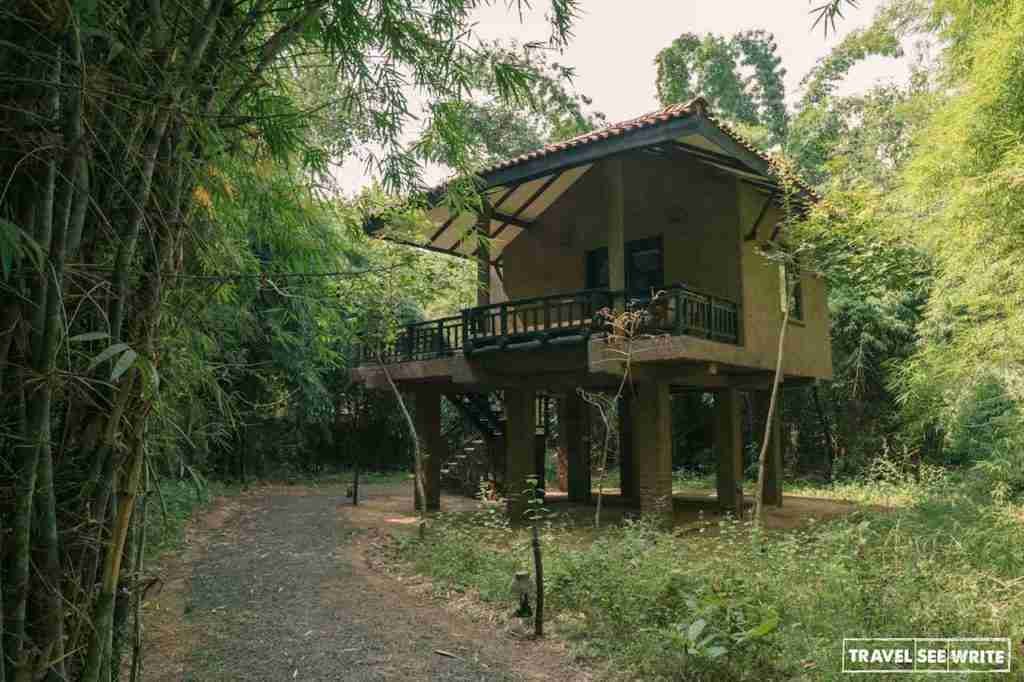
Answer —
(701, 217)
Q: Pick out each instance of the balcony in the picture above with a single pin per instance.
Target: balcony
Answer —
(564, 319)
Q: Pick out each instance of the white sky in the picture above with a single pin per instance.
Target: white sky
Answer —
(615, 42)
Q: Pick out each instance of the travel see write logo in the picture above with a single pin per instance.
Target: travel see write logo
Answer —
(927, 655)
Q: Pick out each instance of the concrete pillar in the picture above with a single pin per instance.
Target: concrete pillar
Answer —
(616, 190)
(432, 446)
(575, 429)
(772, 494)
(627, 463)
(520, 448)
(651, 416)
(729, 450)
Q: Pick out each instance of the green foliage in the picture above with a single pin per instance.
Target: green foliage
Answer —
(730, 603)
(984, 423)
(965, 211)
(714, 66)
(504, 119)
(168, 203)
(171, 505)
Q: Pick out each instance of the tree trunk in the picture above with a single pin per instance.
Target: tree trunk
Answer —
(417, 458)
(762, 459)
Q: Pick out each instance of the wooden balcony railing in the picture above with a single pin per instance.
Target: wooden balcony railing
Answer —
(565, 319)
(542, 319)
(425, 341)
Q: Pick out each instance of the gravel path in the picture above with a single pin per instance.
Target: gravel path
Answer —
(272, 590)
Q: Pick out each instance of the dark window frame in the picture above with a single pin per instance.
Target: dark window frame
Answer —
(646, 244)
(597, 258)
(795, 293)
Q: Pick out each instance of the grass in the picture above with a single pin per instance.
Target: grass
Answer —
(741, 604)
(172, 505)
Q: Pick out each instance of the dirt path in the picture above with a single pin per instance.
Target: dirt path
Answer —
(273, 585)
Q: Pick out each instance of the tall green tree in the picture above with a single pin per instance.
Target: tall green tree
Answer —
(964, 186)
(117, 125)
(741, 77)
(547, 108)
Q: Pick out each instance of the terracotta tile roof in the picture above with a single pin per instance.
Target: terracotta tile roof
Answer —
(695, 106)
(613, 130)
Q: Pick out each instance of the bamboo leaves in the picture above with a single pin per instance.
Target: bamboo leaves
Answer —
(107, 354)
(16, 244)
(127, 360)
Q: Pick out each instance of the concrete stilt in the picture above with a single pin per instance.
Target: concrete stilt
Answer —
(772, 494)
(432, 444)
(651, 417)
(520, 448)
(729, 450)
(575, 431)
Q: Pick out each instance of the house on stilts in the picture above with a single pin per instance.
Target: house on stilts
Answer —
(674, 205)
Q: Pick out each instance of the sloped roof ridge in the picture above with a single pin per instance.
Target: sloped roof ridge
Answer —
(677, 110)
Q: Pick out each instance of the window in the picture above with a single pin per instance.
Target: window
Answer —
(644, 266)
(791, 291)
(597, 269)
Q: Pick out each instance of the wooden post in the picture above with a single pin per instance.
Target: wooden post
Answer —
(651, 416)
(355, 484)
(562, 476)
(541, 446)
(520, 445)
(772, 494)
(428, 430)
(577, 442)
(729, 449)
(538, 572)
(615, 187)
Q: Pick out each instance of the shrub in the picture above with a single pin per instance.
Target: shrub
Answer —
(734, 603)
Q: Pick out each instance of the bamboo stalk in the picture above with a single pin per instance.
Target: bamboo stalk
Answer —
(50, 572)
(100, 644)
(136, 669)
(3, 594)
(35, 418)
